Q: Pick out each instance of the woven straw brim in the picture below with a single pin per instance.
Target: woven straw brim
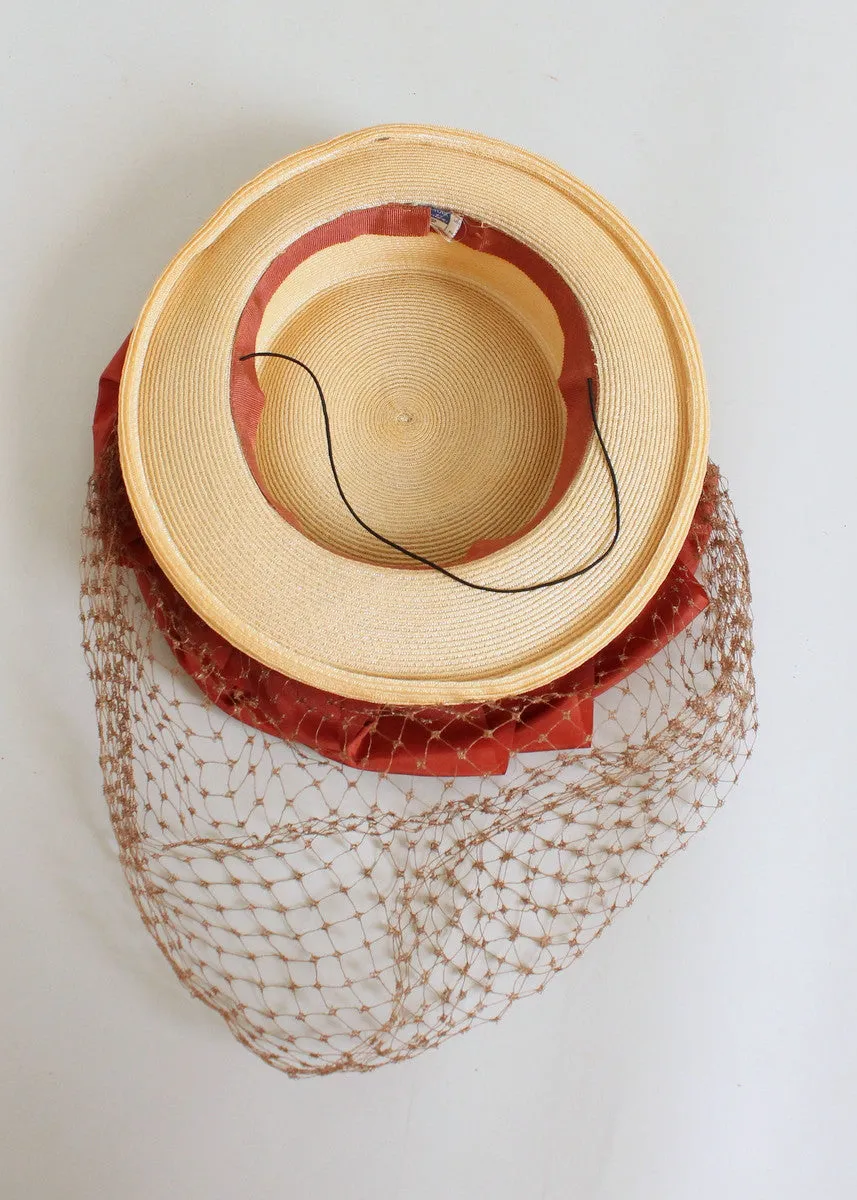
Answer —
(374, 631)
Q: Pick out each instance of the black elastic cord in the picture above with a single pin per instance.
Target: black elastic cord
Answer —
(420, 558)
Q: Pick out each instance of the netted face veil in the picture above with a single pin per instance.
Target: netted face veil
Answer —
(370, 780)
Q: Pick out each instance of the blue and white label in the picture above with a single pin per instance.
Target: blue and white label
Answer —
(446, 223)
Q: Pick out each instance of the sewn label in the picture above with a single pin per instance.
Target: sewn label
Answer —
(446, 223)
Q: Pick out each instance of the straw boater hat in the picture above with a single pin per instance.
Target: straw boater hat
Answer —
(397, 387)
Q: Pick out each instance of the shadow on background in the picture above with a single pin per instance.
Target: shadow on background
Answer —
(95, 288)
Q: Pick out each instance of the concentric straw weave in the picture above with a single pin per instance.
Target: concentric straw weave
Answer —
(441, 361)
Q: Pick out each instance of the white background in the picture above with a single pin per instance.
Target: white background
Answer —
(706, 1047)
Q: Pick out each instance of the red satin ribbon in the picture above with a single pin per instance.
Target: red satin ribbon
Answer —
(466, 739)
(407, 220)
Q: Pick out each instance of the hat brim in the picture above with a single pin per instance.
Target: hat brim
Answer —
(371, 631)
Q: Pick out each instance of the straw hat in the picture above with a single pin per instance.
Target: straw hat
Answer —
(459, 301)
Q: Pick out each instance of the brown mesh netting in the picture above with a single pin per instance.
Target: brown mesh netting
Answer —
(340, 919)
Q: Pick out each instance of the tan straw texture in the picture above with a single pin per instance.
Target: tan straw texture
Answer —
(435, 445)
(440, 372)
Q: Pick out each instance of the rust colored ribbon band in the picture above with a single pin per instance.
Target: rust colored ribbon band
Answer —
(403, 220)
(474, 739)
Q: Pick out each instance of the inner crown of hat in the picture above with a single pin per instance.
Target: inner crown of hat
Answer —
(453, 388)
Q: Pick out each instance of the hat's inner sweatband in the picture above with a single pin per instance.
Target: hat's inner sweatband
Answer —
(524, 285)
